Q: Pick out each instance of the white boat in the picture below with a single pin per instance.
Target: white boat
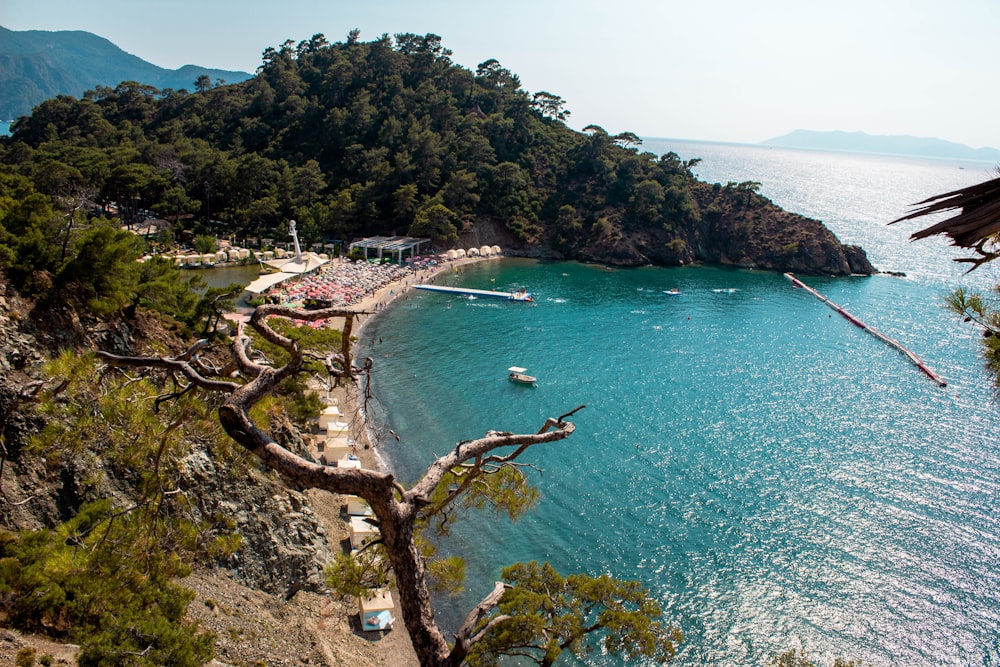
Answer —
(672, 292)
(517, 374)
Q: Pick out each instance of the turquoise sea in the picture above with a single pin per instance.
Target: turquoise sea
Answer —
(776, 477)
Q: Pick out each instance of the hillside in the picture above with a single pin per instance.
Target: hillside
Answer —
(36, 65)
(859, 142)
(391, 137)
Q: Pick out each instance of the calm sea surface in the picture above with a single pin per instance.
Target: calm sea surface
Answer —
(776, 477)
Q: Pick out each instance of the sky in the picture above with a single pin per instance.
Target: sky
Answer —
(708, 70)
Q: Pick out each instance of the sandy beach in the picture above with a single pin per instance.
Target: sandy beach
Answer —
(394, 646)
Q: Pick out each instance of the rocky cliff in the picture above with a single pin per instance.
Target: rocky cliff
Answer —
(283, 546)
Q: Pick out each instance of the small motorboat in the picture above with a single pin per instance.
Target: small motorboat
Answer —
(518, 374)
(672, 292)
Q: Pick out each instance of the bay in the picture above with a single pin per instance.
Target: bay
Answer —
(776, 477)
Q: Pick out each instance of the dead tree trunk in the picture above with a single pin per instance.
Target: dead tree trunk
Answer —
(397, 510)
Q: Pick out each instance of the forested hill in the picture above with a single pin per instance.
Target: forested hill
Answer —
(36, 65)
(391, 137)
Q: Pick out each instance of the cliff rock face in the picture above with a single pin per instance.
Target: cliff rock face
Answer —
(283, 546)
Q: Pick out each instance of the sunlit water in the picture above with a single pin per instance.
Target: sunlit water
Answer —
(776, 477)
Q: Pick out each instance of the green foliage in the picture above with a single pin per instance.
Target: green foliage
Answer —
(301, 404)
(205, 244)
(103, 579)
(354, 574)
(351, 139)
(981, 311)
(121, 420)
(25, 657)
(163, 287)
(446, 575)
(436, 221)
(29, 231)
(544, 614)
(321, 341)
(104, 274)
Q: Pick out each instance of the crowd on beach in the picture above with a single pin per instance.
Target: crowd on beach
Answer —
(344, 282)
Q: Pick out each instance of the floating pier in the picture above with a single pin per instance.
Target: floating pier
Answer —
(914, 359)
(520, 295)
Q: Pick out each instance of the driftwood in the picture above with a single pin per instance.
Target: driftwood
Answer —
(397, 510)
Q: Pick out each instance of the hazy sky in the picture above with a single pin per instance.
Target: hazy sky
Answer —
(716, 70)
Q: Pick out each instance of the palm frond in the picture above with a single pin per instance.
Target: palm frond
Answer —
(975, 227)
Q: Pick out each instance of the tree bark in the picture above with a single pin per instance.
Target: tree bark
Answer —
(396, 510)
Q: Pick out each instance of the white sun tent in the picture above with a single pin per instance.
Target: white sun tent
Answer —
(298, 264)
(376, 610)
(331, 450)
(361, 532)
(267, 281)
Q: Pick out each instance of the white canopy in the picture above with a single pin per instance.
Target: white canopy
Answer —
(304, 263)
(267, 280)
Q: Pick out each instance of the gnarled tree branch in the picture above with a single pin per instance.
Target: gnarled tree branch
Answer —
(397, 510)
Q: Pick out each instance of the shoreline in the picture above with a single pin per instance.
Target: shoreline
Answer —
(395, 646)
(373, 305)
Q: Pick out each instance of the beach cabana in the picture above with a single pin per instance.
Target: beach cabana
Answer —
(350, 462)
(376, 610)
(460, 253)
(331, 450)
(451, 254)
(497, 250)
(361, 532)
(357, 506)
(472, 252)
(485, 251)
(330, 414)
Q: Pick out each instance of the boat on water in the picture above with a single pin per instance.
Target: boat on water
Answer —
(519, 375)
(672, 292)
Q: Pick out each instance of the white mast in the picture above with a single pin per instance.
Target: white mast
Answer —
(295, 238)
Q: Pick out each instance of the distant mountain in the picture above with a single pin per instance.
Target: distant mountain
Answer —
(36, 65)
(859, 142)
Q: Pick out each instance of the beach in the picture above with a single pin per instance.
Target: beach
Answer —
(394, 646)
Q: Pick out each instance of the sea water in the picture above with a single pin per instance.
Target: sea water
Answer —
(776, 477)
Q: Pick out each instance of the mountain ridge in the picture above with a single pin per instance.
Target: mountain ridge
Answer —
(895, 144)
(36, 65)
